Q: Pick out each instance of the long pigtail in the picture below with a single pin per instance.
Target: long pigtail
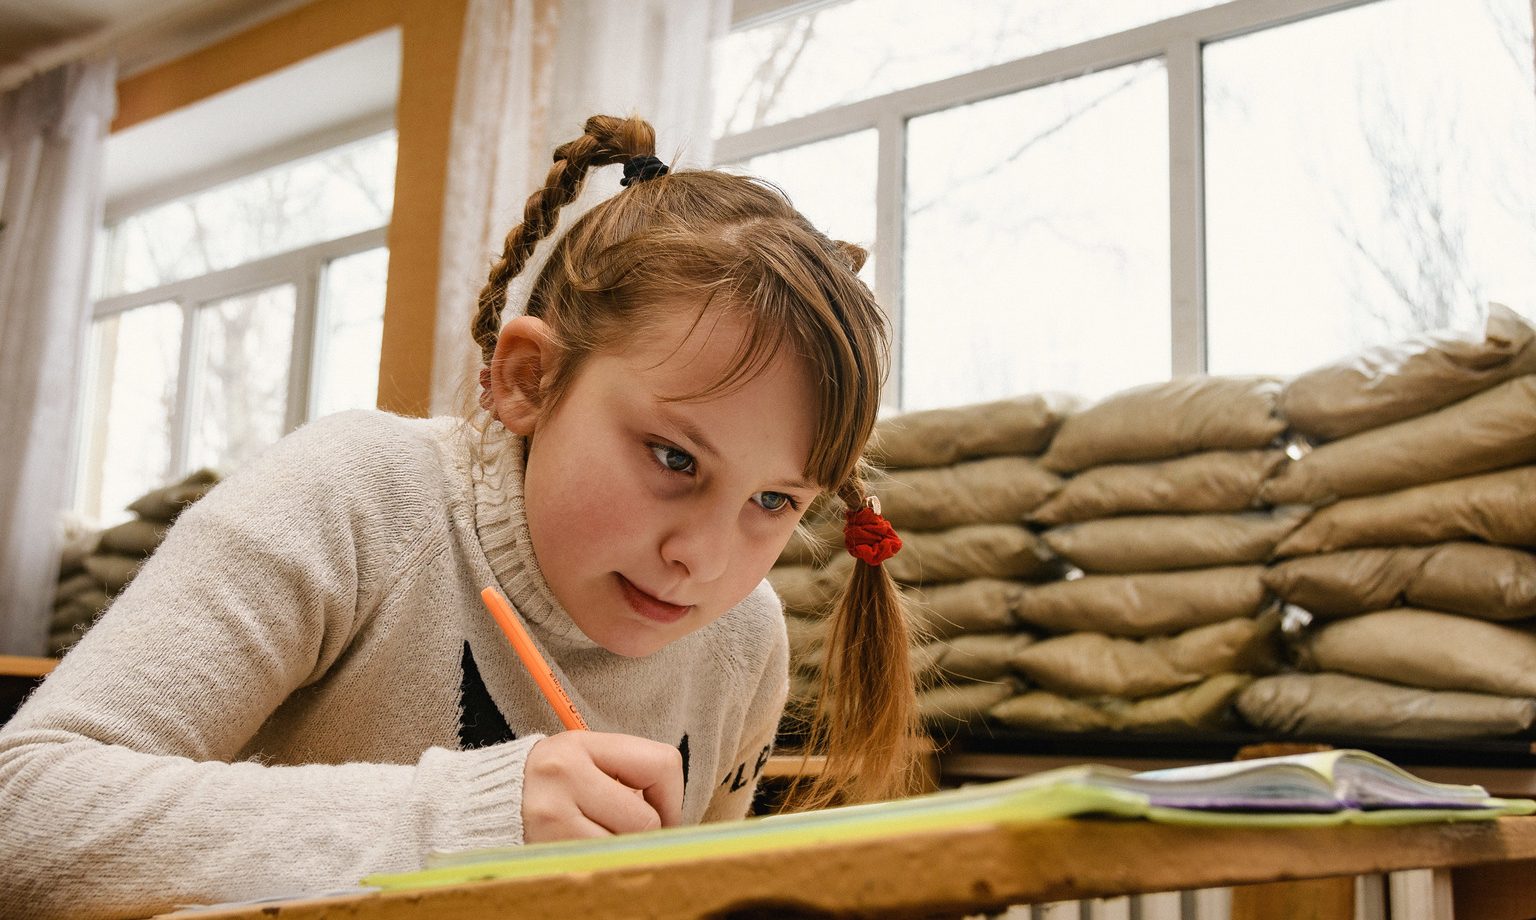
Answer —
(866, 715)
(607, 140)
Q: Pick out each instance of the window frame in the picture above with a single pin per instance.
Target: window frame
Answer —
(303, 268)
(1178, 41)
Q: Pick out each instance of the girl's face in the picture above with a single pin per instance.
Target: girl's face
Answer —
(651, 518)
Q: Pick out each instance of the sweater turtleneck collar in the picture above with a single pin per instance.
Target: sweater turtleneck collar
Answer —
(501, 522)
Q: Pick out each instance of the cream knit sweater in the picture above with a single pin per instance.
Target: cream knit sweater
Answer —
(274, 705)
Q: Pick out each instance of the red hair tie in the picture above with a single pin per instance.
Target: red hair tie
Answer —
(868, 536)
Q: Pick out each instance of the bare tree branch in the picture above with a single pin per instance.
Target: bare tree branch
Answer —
(1028, 143)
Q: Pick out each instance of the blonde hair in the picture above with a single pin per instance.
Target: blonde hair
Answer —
(737, 242)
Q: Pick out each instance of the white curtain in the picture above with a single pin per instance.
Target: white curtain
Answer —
(496, 157)
(649, 57)
(52, 134)
(529, 75)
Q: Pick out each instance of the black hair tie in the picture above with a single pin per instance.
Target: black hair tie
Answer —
(642, 168)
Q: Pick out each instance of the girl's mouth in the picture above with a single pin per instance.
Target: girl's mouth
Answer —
(652, 608)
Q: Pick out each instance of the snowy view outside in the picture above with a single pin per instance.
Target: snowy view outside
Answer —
(241, 346)
(1368, 173)
(319, 198)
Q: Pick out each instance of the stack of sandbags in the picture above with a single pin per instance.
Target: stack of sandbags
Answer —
(96, 566)
(1160, 625)
(957, 485)
(1416, 572)
(79, 596)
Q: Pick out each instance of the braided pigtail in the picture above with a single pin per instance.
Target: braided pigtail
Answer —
(866, 714)
(606, 140)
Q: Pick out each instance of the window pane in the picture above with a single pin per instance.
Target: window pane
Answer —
(341, 191)
(832, 183)
(351, 332)
(125, 448)
(240, 376)
(861, 49)
(1369, 173)
(1037, 242)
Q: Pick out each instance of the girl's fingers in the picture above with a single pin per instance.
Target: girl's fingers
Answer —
(614, 807)
(649, 766)
(578, 826)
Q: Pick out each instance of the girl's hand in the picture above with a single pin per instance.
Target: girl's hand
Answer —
(593, 784)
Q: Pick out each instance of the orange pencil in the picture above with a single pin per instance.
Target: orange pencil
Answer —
(543, 675)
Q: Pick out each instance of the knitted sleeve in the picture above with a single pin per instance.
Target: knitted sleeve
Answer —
(733, 796)
(117, 794)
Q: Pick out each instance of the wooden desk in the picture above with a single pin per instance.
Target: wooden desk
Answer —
(18, 676)
(957, 872)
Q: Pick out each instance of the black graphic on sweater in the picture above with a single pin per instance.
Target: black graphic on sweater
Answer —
(682, 748)
(481, 724)
(738, 779)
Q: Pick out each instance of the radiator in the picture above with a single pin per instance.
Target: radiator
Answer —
(1416, 895)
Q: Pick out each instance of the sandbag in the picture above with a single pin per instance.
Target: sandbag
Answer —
(1091, 664)
(79, 610)
(804, 590)
(76, 547)
(1491, 582)
(1421, 648)
(819, 537)
(807, 638)
(800, 706)
(923, 664)
(1218, 480)
(1042, 711)
(134, 538)
(994, 490)
(811, 591)
(1490, 431)
(1389, 383)
(73, 585)
(973, 605)
(1337, 705)
(954, 706)
(166, 503)
(1147, 604)
(977, 656)
(808, 650)
(61, 641)
(1496, 507)
(1162, 420)
(939, 437)
(1205, 706)
(972, 551)
(1164, 542)
(113, 571)
(811, 544)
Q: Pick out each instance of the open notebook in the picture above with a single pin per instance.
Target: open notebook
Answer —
(1329, 787)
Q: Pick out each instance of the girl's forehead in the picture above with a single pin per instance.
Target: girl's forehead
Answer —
(692, 345)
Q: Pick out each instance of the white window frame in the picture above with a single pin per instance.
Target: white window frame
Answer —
(304, 268)
(1177, 40)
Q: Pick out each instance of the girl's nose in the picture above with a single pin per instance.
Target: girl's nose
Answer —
(701, 542)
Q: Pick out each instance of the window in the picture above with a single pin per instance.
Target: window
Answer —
(1092, 195)
(1368, 174)
(231, 315)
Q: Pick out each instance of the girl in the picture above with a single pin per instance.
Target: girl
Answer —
(301, 687)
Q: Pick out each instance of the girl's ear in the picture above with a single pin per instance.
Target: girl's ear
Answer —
(524, 361)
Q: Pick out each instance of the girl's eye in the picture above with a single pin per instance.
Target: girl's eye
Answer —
(672, 459)
(775, 502)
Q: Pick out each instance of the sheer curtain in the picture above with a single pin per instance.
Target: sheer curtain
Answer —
(649, 57)
(496, 155)
(52, 133)
(530, 73)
